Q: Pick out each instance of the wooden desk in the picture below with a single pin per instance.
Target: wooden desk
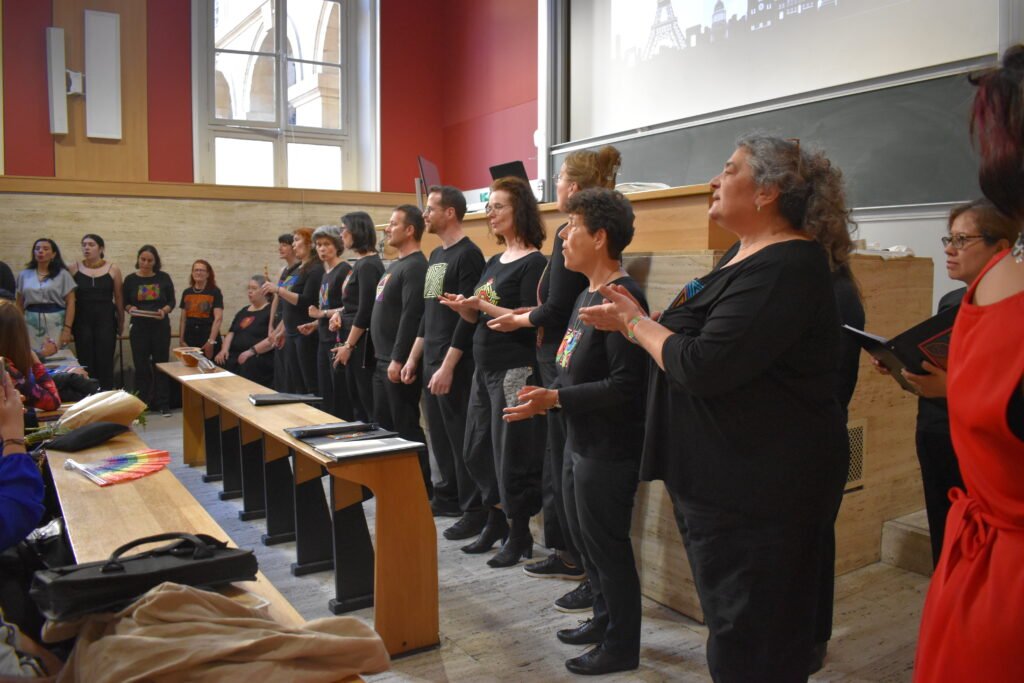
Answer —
(405, 594)
(100, 519)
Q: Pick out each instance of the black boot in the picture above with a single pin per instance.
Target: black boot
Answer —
(468, 526)
(518, 545)
(495, 530)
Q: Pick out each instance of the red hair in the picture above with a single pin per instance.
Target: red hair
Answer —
(997, 125)
(211, 280)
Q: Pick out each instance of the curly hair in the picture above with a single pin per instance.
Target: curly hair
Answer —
(593, 169)
(811, 195)
(997, 126)
(608, 210)
(525, 215)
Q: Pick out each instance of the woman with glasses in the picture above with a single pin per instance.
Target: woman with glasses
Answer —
(977, 232)
(505, 460)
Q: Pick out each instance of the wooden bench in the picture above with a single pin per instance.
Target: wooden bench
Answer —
(255, 451)
(100, 519)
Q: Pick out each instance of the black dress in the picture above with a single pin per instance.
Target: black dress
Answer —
(95, 326)
(745, 428)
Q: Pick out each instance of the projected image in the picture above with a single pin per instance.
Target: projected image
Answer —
(679, 58)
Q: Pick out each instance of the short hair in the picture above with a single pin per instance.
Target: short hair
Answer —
(56, 264)
(157, 264)
(593, 169)
(285, 238)
(992, 223)
(212, 281)
(608, 210)
(97, 239)
(413, 217)
(525, 214)
(360, 227)
(258, 279)
(332, 233)
(451, 198)
(811, 194)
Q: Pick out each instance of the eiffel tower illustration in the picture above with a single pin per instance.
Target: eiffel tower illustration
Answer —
(665, 29)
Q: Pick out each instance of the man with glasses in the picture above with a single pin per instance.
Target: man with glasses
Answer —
(446, 357)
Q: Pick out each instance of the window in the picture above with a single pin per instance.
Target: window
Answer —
(275, 83)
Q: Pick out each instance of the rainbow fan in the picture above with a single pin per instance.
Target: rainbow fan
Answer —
(120, 468)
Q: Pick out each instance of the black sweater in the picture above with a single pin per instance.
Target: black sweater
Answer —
(398, 308)
(601, 382)
(359, 289)
(556, 294)
(330, 298)
(509, 285)
(454, 270)
(307, 286)
(745, 416)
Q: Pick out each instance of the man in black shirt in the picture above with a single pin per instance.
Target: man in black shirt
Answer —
(454, 267)
(397, 310)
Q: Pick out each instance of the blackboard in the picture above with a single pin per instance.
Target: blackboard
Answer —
(905, 144)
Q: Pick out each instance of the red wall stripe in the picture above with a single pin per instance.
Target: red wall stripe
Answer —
(28, 145)
(169, 89)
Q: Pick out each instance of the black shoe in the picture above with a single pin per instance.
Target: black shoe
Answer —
(553, 567)
(597, 661)
(588, 632)
(817, 662)
(444, 508)
(517, 546)
(579, 599)
(468, 526)
(495, 530)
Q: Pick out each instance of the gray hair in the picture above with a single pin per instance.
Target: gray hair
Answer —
(811, 195)
(332, 233)
(258, 279)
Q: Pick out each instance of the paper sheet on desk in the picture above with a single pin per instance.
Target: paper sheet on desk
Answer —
(209, 375)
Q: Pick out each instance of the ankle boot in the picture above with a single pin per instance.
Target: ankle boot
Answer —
(518, 545)
(495, 530)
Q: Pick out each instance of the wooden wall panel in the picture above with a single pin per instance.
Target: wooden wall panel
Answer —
(77, 156)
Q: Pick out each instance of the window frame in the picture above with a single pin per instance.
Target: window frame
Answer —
(207, 127)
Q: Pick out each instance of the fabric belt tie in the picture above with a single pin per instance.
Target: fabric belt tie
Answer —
(975, 529)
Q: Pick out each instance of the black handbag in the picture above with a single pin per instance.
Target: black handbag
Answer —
(65, 593)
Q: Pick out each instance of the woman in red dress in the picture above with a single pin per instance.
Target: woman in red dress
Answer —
(972, 628)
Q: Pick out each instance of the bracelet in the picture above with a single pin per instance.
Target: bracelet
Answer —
(20, 442)
(67, 327)
(253, 350)
(631, 327)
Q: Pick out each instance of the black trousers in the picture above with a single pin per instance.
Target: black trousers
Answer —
(757, 584)
(599, 498)
(504, 459)
(940, 472)
(397, 407)
(151, 345)
(280, 382)
(331, 382)
(556, 530)
(359, 378)
(446, 417)
(300, 362)
(95, 340)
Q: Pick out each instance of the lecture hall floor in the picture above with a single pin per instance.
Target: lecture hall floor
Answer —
(499, 624)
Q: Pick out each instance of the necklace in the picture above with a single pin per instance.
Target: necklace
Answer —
(573, 335)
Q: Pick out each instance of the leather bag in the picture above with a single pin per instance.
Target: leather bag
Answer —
(65, 593)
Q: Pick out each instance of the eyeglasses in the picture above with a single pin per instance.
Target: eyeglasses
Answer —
(494, 208)
(960, 240)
